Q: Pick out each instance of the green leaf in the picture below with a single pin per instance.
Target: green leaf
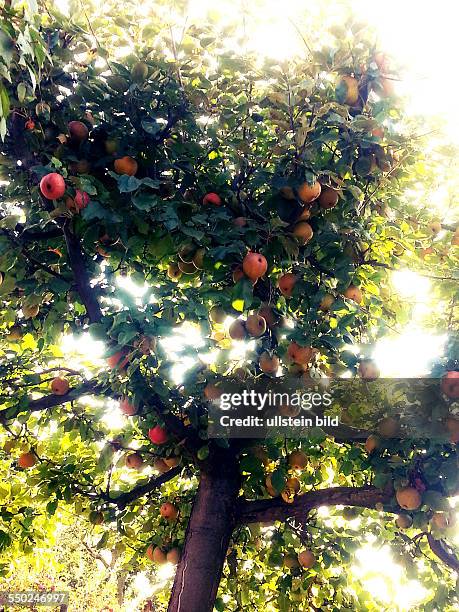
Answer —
(4, 101)
(6, 48)
(278, 480)
(127, 184)
(95, 210)
(105, 458)
(103, 541)
(51, 507)
(144, 200)
(242, 295)
(203, 452)
(435, 500)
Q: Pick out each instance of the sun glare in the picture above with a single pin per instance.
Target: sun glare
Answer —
(408, 355)
(382, 577)
(408, 284)
(126, 283)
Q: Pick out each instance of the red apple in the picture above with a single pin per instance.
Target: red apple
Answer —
(212, 198)
(81, 199)
(158, 435)
(78, 131)
(118, 360)
(127, 408)
(52, 186)
(134, 461)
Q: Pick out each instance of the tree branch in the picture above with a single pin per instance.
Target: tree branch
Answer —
(49, 401)
(95, 555)
(126, 498)
(80, 273)
(31, 235)
(31, 259)
(436, 546)
(278, 510)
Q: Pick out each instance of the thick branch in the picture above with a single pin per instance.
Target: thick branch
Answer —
(126, 498)
(436, 546)
(277, 510)
(36, 236)
(80, 273)
(49, 401)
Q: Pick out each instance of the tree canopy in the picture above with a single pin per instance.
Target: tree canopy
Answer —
(208, 216)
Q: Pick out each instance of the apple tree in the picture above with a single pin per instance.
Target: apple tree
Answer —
(262, 207)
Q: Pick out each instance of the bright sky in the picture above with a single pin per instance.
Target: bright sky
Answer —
(420, 36)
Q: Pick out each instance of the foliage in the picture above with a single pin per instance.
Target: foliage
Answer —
(253, 131)
(66, 565)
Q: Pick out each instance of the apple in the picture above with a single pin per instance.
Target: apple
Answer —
(168, 511)
(237, 330)
(212, 198)
(127, 408)
(160, 465)
(158, 435)
(255, 325)
(78, 131)
(173, 556)
(306, 558)
(81, 199)
(134, 461)
(27, 460)
(52, 186)
(286, 284)
(450, 384)
(254, 265)
(269, 364)
(59, 386)
(118, 360)
(212, 392)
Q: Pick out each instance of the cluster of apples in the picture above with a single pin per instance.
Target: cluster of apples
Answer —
(158, 555)
(297, 461)
(169, 512)
(325, 197)
(53, 186)
(59, 386)
(191, 258)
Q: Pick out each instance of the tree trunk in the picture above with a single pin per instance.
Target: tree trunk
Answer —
(206, 543)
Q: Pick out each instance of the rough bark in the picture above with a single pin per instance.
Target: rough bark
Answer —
(206, 543)
(278, 510)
